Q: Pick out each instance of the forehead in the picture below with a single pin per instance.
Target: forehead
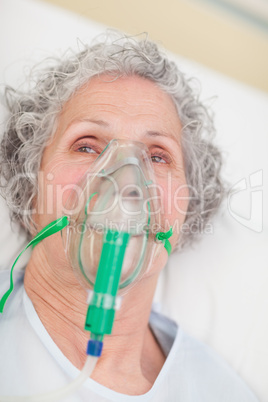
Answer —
(125, 97)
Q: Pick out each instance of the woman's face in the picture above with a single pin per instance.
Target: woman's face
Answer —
(131, 108)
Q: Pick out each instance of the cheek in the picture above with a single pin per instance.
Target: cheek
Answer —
(57, 185)
(180, 201)
(174, 201)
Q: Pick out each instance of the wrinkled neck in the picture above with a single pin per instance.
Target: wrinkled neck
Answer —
(60, 303)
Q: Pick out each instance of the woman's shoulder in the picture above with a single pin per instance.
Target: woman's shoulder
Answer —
(215, 378)
(197, 371)
(15, 298)
(5, 279)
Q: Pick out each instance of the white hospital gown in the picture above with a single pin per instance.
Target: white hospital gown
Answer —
(30, 362)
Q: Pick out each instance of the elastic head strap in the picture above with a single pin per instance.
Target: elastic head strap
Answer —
(164, 236)
(48, 230)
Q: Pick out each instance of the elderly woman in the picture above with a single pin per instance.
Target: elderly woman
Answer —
(58, 131)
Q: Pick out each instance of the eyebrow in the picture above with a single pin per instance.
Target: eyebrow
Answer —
(98, 122)
(159, 134)
(103, 123)
(152, 133)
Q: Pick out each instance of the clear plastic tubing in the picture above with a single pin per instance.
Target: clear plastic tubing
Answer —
(60, 393)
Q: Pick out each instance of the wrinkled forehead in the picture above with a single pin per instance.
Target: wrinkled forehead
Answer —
(125, 106)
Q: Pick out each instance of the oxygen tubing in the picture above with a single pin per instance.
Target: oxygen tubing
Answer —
(60, 393)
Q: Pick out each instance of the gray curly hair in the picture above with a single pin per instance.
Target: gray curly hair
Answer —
(33, 117)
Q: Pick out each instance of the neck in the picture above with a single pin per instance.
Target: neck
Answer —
(61, 305)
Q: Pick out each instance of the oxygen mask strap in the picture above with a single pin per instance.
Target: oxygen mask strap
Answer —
(163, 237)
(48, 230)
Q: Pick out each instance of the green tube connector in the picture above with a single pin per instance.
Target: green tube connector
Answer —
(101, 310)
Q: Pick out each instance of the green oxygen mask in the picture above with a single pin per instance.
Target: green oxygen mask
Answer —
(113, 230)
(118, 195)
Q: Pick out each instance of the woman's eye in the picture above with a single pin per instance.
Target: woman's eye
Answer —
(86, 145)
(157, 159)
(160, 156)
(86, 149)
